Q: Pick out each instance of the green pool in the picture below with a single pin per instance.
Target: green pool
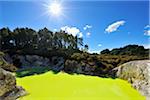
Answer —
(63, 86)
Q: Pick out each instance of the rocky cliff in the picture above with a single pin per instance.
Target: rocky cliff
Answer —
(75, 64)
(28, 61)
(138, 74)
(8, 88)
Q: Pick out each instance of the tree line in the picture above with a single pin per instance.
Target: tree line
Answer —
(29, 40)
(128, 50)
(46, 43)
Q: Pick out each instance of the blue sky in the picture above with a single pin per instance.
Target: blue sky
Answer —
(109, 24)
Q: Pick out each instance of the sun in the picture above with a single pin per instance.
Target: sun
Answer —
(55, 9)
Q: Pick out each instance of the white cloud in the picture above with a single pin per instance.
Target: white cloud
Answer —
(88, 34)
(147, 46)
(147, 32)
(99, 45)
(87, 27)
(80, 35)
(72, 30)
(55, 30)
(114, 26)
(147, 26)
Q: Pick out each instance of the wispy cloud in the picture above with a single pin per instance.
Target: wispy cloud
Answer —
(147, 46)
(55, 30)
(114, 26)
(87, 27)
(147, 26)
(72, 30)
(88, 34)
(80, 35)
(147, 30)
(99, 45)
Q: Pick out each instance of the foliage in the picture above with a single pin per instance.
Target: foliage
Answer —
(26, 40)
(86, 48)
(91, 64)
(99, 65)
(128, 50)
(70, 66)
(106, 51)
(31, 71)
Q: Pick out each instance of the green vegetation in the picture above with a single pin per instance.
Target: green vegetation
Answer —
(76, 87)
(45, 43)
(29, 41)
(99, 65)
(25, 41)
(84, 63)
(128, 50)
(31, 71)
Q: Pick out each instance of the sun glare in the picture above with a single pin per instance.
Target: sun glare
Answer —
(55, 8)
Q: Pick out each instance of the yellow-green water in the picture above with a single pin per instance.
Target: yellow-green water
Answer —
(63, 86)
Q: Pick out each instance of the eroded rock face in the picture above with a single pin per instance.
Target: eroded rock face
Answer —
(138, 74)
(6, 66)
(8, 88)
(30, 61)
(55, 63)
(82, 67)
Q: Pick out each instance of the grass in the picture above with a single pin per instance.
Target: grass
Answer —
(61, 86)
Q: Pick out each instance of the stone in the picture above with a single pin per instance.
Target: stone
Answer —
(8, 88)
(138, 74)
(30, 61)
(5, 65)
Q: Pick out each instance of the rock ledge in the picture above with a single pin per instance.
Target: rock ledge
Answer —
(138, 74)
(8, 88)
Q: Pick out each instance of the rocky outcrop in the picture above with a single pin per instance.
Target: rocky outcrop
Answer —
(83, 67)
(8, 88)
(57, 63)
(6, 66)
(138, 74)
(31, 60)
(27, 61)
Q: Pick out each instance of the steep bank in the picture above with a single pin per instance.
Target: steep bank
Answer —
(138, 74)
(8, 88)
(81, 63)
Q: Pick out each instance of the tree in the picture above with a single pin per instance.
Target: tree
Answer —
(5, 37)
(45, 38)
(127, 50)
(86, 48)
(106, 51)
(25, 38)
